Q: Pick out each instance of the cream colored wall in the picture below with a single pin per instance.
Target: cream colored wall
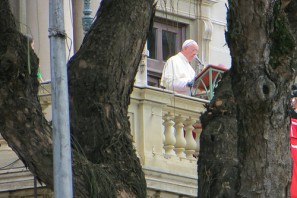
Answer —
(220, 53)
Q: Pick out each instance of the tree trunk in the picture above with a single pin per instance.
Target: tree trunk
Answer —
(101, 77)
(245, 138)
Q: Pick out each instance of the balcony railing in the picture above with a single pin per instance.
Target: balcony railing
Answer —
(166, 130)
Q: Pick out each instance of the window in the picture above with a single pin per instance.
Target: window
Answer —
(168, 44)
(164, 40)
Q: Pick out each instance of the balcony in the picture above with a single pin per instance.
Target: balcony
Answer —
(158, 121)
(166, 129)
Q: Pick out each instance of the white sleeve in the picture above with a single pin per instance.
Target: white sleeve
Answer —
(172, 77)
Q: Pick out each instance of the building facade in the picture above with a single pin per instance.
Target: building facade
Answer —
(169, 158)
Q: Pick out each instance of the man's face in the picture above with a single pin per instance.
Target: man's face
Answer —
(190, 52)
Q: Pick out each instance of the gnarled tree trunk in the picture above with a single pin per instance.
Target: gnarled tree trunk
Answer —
(101, 77)
(245, 137)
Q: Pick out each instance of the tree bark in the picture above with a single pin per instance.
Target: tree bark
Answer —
(245, 138)
(101, 77)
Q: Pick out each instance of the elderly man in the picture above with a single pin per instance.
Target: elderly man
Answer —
(178, 74)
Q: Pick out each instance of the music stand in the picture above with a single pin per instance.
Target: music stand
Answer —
(206, 81)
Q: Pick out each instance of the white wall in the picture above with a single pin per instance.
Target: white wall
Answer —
(219, 51)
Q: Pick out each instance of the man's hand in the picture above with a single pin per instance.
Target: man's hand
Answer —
(190, 84)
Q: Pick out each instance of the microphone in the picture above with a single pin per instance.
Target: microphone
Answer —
(199, 61)
(200, 64)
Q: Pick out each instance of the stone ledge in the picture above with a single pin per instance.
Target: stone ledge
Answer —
(171, 182)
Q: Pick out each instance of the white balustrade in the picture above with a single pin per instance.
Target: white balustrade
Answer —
(162, 123)
(181, 131)
(176, 115)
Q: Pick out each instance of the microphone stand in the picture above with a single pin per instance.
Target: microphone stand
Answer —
(199, 68)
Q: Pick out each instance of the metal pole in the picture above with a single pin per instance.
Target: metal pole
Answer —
(60, 104)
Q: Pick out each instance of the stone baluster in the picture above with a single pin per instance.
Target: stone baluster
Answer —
(169, 134)
(191, 143)
(197, 130)
(180, 138)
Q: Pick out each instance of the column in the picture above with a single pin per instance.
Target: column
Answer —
(180, 139)
(78, 33)
(169, 134)
(191, 143)
(205, 28)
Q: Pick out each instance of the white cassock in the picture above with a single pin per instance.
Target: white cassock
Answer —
(177, 73)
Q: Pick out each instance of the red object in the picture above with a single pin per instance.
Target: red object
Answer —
(204, 75)
(293, 141)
